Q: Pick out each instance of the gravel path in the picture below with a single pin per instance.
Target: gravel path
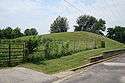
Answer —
(23, 75)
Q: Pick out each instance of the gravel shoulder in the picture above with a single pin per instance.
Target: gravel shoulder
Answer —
(24, 75)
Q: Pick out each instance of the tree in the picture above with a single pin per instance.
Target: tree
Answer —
(31, 31)
(90, 24)
(17, 33)
(1, 36)
(59, 25)
(99, 27)
(110, 33)
(7, 33)
(117, 33)
(27, 32)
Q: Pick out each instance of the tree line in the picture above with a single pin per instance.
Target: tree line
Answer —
(90, 24)
(116, 33)
(83, 23)
(10, 33)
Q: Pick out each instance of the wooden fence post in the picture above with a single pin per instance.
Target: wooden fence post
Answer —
(9, 63)
(74, 46)
(86, 45)
(102, 44)
(95, 46)
(24, 51)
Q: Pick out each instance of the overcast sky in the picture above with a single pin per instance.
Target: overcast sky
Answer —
(40, 14)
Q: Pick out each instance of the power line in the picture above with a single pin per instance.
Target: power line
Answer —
(90, 9)
(111, 11)
(114, 13)
(115, 3)
(71, 5)
(104, 12)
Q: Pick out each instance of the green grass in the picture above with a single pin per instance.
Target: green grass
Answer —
(64, 63)
(74, 36)
(75, 60)
(77, 36)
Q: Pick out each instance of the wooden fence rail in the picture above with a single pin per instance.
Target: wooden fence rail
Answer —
(11, 53)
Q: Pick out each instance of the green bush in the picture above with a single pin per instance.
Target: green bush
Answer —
(50, 48)
(31, 45)
(46, 42)
(65, 49)
(37, 57)
(55, 49)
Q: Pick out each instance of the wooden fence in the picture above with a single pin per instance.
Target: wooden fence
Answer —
(11, 53)
(14, 52)
(57, 49)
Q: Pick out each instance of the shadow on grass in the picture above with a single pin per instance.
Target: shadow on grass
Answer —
(40, 62)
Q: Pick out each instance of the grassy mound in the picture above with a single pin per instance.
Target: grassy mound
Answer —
(78, 36)
(74, 60)
(87, 36)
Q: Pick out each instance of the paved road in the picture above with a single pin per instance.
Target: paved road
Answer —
(23, 75)
(107, 72)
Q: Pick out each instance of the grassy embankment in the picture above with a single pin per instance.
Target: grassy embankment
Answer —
(74, 60)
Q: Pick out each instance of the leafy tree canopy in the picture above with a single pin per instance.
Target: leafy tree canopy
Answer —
(31, 31)
(59, 25)
(10, 33)
(117, 33)
(90, 24)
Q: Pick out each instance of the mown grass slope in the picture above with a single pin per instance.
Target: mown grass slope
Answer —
(87, 36)
(78, 36)
(74, 60)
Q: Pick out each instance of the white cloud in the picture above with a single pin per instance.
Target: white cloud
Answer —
(41, 13)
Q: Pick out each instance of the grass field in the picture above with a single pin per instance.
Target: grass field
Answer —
(74, 60)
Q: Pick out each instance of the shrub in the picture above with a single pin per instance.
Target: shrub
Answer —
(36, 57)
(47, 47)
(55, 49)
(31, 44)
(65, 49)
